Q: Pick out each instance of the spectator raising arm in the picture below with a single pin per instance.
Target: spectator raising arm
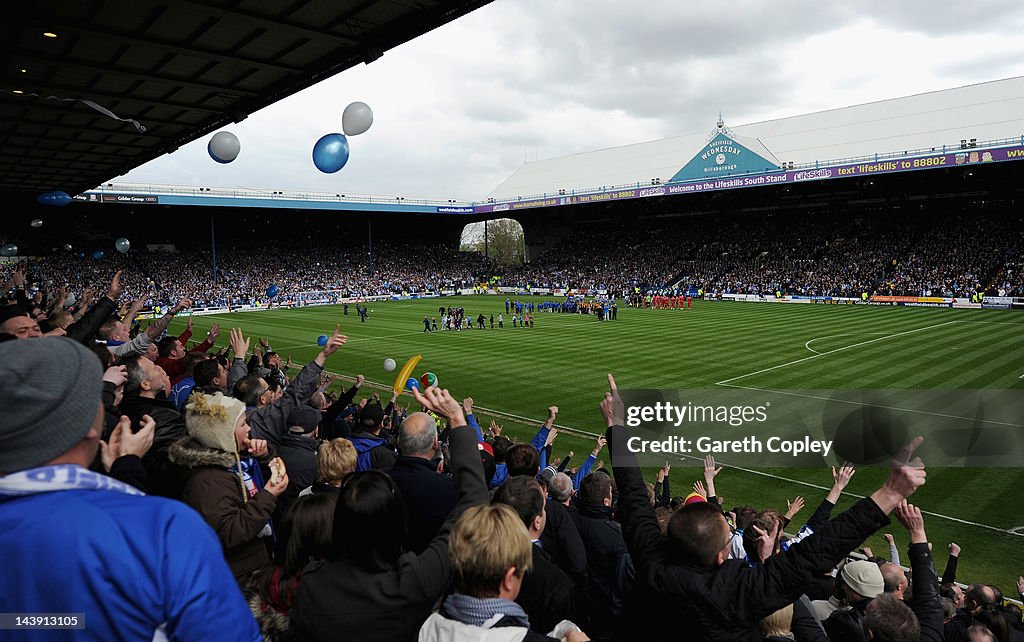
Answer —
(925, 600)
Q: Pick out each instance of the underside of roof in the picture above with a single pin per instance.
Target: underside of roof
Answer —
(118, 83)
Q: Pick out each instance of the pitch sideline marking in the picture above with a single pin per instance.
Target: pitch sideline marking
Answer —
(822, 354)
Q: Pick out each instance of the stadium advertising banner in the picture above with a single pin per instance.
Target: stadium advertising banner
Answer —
(124, 199)
(887, 166)
(915, 301)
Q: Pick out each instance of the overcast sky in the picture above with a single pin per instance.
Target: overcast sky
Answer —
(458, 110)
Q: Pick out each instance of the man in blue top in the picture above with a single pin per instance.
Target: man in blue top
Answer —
(129, 567)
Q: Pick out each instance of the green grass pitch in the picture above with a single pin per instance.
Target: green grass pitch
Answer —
(515, 374)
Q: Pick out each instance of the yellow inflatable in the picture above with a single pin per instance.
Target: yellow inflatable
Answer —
(404, 373)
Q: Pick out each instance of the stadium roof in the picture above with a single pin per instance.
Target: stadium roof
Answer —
(985, 112)
(168, 72)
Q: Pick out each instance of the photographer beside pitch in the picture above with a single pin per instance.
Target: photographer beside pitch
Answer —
(689, 573)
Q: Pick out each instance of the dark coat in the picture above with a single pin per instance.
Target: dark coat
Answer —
(165, 478)
(925, 599)
(216, 494)
(609, 566)
(429, 499)
(390, 604)
(547, 594)
(299, 455)
(726, 603)
(561, 541)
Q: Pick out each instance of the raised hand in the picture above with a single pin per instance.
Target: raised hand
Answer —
(336, 340)
(709, 468)
(115, 289)
(911, 518)
(552, 434)
(467, 405)
(239, 344)
(906, 475)
(495, 429)
(840, 479)
(794, 507)
(441, 402)
(698, 487)
(611, 406)
(598, 445)
(214, 331)
(954, 549)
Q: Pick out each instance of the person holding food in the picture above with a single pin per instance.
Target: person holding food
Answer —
(226, 485)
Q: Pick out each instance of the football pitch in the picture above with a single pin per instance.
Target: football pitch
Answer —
(514, 374)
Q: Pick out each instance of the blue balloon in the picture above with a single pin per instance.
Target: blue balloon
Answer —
(53, 198)
(321, 340)
(411, 383)
(330, 153)
(272, 291)
(98, 254)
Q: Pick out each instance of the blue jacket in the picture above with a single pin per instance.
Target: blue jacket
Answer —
(80, 542)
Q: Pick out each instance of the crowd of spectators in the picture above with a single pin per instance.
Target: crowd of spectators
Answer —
(162, 278)
(259, 504)
(955, 255)
(952, 255)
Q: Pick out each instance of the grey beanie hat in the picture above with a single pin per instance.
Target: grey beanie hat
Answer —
(50, 390)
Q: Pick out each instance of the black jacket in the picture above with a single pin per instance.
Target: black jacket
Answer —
(609, 566)
(342, 598)
(299, 455)
(547, 594)
(726, 603)
(165, 478)
(562, 542)
(925, 599)
(429, 499)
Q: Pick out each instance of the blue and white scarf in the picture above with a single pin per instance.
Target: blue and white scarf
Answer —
(482, 612)
(50, 479)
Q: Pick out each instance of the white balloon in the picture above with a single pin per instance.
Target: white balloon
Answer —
(8, 249)
(224, 147)
(357, 119)
(122, 245)
(389, 365)
(37, 222)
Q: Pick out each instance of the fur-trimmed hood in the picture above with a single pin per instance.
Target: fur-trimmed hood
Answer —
(189, 453)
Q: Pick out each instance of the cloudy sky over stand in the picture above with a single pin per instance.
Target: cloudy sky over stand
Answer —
(458, 110)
